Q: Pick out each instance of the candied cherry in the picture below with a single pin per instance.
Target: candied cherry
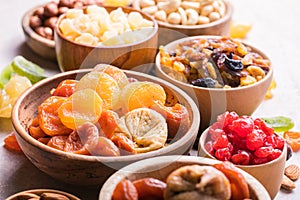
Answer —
(263, 126)
(274, 141)
(223, 154)
(243, 126)
(227, 118)
(221, 141)
(275, 154)
(257, 161)
(263, 152)
(255, 139)
(241, 158)
(209, 147)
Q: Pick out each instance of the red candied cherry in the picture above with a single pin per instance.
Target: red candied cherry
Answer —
(275, 154)
(216, 133)
(257, 161)
(230, 147)
(227, 118)
(263, 126)
(275, 141)
(263, 152)
(243, 126)
(241, 158)
(223, 154)
(209, 147)
(221, 141)
(255, 139)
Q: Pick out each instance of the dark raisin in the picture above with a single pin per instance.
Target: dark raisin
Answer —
(204, 82)
(233, 64)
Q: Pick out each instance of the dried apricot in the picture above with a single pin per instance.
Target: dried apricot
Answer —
(83, 106)
(150, 188)
(10, 142)
(125, 190)
(58, 142)
(108, 122)
(293, 139)
(105, 147)
(65, 88)
(35, 130)
(49, 121)
(74, 145)
(124, 143)
(238, 183)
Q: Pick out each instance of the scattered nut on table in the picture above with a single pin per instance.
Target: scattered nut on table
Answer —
(287, 183)
(292, 172)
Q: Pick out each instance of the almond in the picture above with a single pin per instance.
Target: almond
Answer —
(287, 183)
(292, 171)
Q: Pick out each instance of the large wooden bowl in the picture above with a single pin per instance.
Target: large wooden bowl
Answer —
(161, 167)
(269, 174)
(170, 32)
(90, 170)
(38, 44)
(214, 101)
(72, 55)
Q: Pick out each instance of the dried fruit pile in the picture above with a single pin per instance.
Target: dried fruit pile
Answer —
(214, 63)
(243, 140)
(104, 114)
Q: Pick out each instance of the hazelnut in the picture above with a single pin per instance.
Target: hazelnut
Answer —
(62, 10)
(66, 3)
(78, 4)
(39, 12)
(50, 22)
(48, 33)
(35, 21)
(51, 9)
(40, 30)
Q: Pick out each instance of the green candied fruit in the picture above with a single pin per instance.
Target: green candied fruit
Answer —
(5, 75)
(279, 123)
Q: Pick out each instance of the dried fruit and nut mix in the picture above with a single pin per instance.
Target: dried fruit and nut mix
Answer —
(184, 12)
(243, 140)
(41, 196)
(45, 17)
(214, 63)
(220, 181)
(104, 114)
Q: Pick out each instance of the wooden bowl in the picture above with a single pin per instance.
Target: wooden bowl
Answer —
(38, 192)
(72, 55)
(161, 167)
(214, 101)
(170, 32)
(90, 170)
(269, 174)
(38, 44)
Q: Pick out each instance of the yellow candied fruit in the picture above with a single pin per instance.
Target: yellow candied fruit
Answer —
(239, 30)
(247, 80)
(272, 86)
(178, 66)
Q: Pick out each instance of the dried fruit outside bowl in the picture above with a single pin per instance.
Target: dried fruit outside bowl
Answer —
(40, 45)
(161, 167)
(214, 101)
(268, 174)
(89, 171)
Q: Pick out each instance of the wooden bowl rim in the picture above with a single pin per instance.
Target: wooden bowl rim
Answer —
(226, 17)
(153, 163)
(201, 147)
(232, 89)
(38, 191)
(58, 33)
(31, 33)
(190, 134)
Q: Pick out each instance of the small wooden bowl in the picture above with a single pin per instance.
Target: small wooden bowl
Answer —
(40, 45)
(161, 167)
(82, 169)
(170, 32)
(25, 194)
(72, 55)
(269, 174)
(214, 101)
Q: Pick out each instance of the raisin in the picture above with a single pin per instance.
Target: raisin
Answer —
(233, 64)
(204, 82)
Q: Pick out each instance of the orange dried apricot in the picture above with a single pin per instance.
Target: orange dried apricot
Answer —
(49, 121)
(150, 188)
(58, 142)
(10, 142)
(108, 122)
(125, 190)
(74, 145)
(293, 139)
(238, 183)
(35, 130)
(124, 143)
(65, 88)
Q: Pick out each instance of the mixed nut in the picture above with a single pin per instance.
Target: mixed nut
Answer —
(184, 12)
(41, 196)
(45, 17)
(291, 174)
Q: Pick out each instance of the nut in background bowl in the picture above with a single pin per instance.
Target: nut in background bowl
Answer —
(28, 194)
(169, 32)
(214, 101)
(161, 167)
(38, 44)
(90, 171)
(72, 55)
(268, 174)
